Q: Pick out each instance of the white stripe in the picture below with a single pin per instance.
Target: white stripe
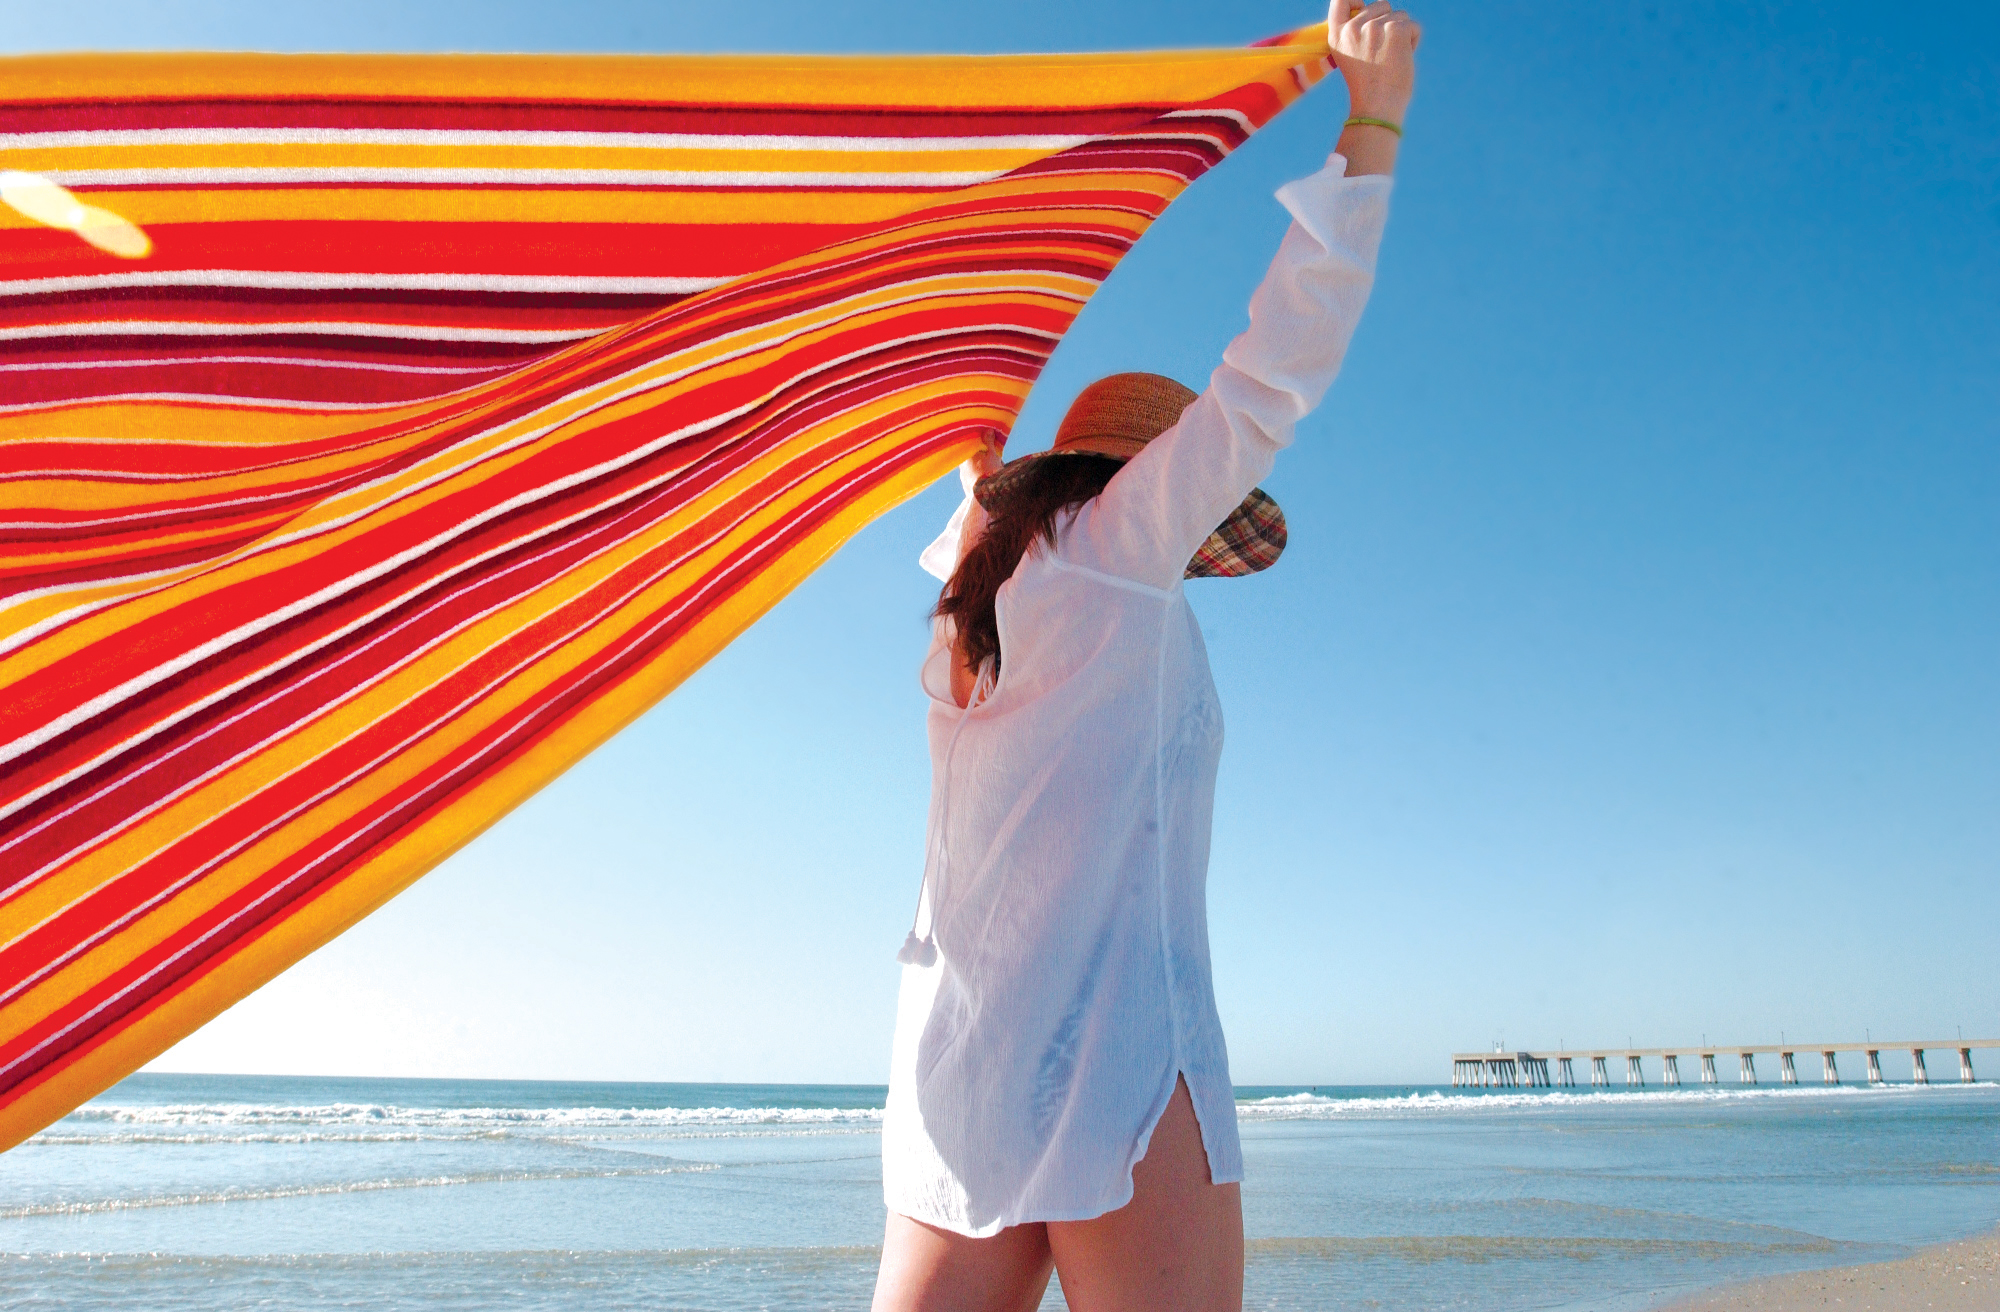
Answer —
(422, 332)
(1241, 118)
(289, 280)
(303, 361)
(1212, 137)
(333, 177)
(114, 137)
(203, 399)
(207, 399)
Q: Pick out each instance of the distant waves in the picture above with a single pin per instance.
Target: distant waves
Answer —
(232, 1122)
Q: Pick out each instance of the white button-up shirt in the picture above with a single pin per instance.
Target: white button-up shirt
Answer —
(1065, 885)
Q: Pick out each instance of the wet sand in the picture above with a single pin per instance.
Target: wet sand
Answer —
(1956, 1277)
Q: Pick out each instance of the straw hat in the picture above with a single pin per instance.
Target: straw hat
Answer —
(1116, 417)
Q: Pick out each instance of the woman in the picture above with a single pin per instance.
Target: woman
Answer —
(1059, 1093)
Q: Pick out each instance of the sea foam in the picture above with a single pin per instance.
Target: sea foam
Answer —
(266, 1194)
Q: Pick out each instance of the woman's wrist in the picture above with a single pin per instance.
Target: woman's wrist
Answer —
(1381, 124)
(1391, 112)
(1368, 148)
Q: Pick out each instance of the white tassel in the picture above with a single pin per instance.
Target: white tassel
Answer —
(917, 951)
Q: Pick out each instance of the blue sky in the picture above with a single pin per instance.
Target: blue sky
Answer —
(1634, 670)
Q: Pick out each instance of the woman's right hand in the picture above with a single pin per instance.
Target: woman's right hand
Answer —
(1376, 49)
(987, 460)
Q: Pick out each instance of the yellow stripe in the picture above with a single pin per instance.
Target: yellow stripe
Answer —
(125, 424)
(77, 556)
(354, 155)
(107, 495)
(152, 208)
(1075, 82)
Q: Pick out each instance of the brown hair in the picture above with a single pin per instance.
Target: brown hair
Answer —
(1021, 515)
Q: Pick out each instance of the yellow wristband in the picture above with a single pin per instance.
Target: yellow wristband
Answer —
(1358, 122)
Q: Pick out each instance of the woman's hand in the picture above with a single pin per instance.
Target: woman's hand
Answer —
(1376, 50)
(983, 463)
(987, 460)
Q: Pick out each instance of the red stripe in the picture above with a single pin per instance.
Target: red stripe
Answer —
(565, 116)
(268, 381)
(581, 249)
(254, 304)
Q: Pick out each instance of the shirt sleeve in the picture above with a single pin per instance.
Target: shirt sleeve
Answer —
(1146, 524)
(940, 559)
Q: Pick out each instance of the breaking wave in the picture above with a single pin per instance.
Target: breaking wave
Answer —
(1315, 1106)
(99, 1124)
(359, 1122)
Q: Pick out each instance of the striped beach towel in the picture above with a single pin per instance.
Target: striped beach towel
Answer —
(378, 435)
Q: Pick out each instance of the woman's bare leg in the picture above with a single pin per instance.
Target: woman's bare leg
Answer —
(1176, 1247)
(925, 1269)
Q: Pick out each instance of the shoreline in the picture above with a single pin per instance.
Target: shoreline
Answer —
(1960, 1276)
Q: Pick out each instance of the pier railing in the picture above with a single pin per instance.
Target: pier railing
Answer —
(1527, 1069)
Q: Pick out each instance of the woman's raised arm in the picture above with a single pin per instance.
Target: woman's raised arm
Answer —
(1170, 497)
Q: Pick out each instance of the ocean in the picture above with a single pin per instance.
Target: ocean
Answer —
(230, 1192)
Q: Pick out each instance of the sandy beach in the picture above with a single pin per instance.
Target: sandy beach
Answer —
(1957, 1277)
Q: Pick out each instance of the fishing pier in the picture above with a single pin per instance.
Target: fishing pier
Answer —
(1532, 1070)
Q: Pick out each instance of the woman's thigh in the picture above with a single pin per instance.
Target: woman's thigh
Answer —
(925, 1269)
(1176, 1247)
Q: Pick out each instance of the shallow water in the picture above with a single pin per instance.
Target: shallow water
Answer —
(211, 1192)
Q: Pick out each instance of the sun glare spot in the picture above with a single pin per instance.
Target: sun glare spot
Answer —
(47, 202)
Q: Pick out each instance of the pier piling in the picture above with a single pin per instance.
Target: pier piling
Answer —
(1509, 1070)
